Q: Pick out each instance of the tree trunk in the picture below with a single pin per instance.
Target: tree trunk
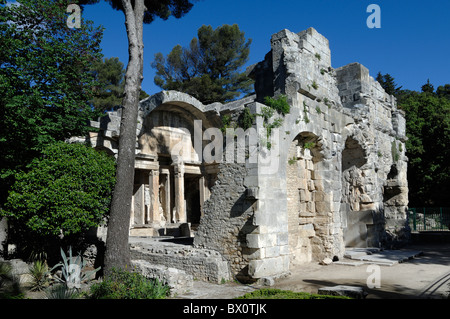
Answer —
(117, 253)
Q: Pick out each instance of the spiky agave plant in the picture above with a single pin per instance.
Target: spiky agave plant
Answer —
(71, 270)
(61, 291)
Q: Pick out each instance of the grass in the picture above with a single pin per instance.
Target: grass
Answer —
(271, 293)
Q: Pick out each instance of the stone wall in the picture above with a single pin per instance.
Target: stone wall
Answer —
(201, 264)
(335, 175)
(228, 218)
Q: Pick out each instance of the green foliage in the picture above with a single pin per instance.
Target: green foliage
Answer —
(66, 191)
(309, 145)
(46, 81)
(9, 284)
(61, 291)
(271, 293)
(279, 104)
(314, 85)
(209, 69)
(428, 146)
(247, 119)
(110, 75)
(227, 122)
(318, 57)
(121, 284)
(443, 91)
(72, 275)
(39, 273)
(428, 87)
(388, 84)
(161, 8)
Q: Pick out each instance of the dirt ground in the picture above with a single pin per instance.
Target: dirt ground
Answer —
(424, 277)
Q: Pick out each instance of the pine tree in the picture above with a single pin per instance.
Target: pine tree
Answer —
(388, 84)
(136, 12)
(428, 87)
(110, 75)
(209, 69)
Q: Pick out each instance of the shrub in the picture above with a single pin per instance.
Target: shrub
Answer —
(280, 104)
(66, 191)
(247, 119)
(121, 284)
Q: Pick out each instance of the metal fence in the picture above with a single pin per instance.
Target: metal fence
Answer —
(429, 218)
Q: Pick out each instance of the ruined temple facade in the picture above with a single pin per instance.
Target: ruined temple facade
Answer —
(333, 177)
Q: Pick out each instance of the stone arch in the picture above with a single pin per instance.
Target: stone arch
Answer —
(308, 206)
(357, 205)
(171, 179)
(208, 114)
(354, 157)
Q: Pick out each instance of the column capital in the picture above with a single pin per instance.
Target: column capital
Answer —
(178, 170)
(154, 172)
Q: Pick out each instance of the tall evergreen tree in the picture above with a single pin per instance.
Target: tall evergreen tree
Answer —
(137, 12)
(110, 75)
(428, 87)
(210, 68)
(388, 84)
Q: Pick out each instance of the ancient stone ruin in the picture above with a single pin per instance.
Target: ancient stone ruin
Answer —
(330, 174)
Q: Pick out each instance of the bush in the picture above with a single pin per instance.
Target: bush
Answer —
(122, 284)
(280, 104)
(65, 192)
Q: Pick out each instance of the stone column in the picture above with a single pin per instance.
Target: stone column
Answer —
(166, 207)
(204, 192)
(139, 206)
(154, 195)
(179, 194)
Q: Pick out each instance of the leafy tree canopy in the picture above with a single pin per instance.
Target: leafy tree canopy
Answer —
(209, 69)
(66, 191)
(428, 146)
(45, 78)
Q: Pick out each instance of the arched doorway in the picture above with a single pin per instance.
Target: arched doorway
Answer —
(307, 204)
(171, 180)
(357, 205)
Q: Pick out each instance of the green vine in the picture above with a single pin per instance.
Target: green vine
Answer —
(281, 106)
(247, 119)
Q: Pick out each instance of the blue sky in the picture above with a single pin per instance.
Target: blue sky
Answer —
(413, 43)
